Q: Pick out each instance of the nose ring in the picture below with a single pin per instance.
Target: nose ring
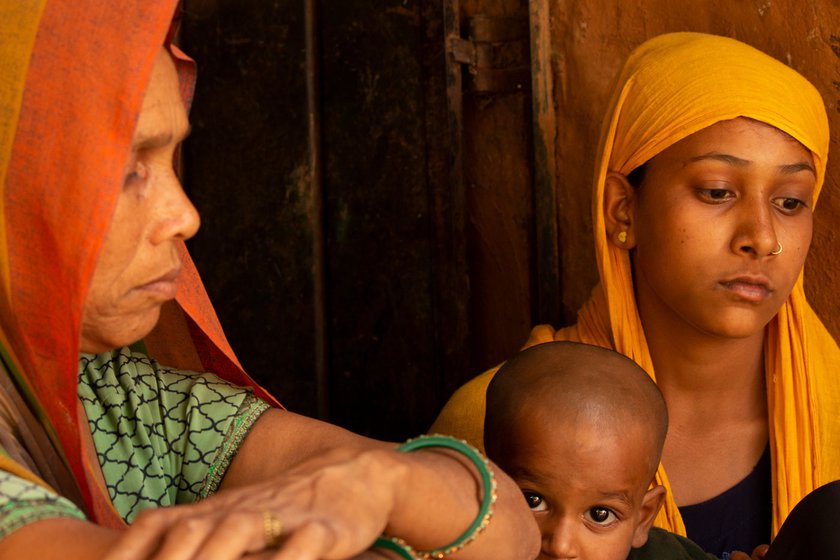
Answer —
(777, 251)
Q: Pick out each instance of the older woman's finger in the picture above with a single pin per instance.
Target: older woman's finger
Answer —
(151, 534)
(311, 541)
(233, 535)
(184, 538)
(143, 537)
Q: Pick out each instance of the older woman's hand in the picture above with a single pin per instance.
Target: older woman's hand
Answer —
(334, 493)
(330, 507)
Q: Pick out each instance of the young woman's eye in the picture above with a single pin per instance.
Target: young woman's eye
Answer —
(535, 501)
(601, 515)
(715, 195)
(789, 204)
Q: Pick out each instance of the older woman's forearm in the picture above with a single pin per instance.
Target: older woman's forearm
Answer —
(440, 499)
(435, 493)
(60, 538)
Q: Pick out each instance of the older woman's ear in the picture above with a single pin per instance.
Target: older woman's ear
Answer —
(619, 201)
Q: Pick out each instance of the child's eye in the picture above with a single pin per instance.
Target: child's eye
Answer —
(601, 515)
(535, 501)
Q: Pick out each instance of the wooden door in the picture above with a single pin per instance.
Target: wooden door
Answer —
(333, 242)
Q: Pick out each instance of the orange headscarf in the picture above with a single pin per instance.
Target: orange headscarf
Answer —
(73, 79)
(671, 87)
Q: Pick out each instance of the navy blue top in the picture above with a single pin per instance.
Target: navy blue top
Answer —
(738, 519)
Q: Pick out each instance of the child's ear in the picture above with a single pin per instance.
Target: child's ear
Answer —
(619, 198)
(651, 503)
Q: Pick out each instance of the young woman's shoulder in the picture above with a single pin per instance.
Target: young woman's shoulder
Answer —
(463, 414)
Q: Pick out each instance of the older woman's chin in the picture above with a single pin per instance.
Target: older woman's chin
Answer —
(103, 334)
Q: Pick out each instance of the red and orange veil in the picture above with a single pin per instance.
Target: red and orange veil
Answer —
(73, 79)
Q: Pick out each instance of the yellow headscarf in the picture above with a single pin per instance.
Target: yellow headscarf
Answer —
(671, 87)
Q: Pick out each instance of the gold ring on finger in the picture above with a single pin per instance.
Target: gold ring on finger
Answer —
(272, 529)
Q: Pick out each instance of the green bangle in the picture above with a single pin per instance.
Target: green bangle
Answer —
(488, 496)
(397, 545)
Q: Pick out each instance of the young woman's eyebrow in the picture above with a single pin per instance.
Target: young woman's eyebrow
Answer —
(726, 158)
(787, 169)
(792, 168)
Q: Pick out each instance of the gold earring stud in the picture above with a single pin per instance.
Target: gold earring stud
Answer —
(622, 237)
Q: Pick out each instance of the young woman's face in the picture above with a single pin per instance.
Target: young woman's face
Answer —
(708, 222)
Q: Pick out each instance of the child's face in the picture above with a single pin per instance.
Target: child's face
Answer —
(588, 488)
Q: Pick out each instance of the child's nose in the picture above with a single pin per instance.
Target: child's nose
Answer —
(560, 542)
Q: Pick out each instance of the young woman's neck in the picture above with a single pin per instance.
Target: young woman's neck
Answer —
(717, 407)
(702, 372)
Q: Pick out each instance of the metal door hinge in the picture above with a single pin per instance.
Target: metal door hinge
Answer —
(496, 54)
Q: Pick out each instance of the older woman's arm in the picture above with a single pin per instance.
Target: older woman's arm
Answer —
(335, 492)
(64, 538)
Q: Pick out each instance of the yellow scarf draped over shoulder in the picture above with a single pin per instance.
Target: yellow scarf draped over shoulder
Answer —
(671, 87)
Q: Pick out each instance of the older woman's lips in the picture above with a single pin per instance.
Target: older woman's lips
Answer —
(165, 286)
(751, 290)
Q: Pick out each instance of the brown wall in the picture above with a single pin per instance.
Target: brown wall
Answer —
(591, 39)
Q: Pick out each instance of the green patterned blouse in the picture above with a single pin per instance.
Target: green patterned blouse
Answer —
(163, 436)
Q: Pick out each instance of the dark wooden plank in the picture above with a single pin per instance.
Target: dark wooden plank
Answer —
(379, 248)
(247, 170)
(548, 308)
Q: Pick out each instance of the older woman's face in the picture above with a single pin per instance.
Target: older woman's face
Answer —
(139, 263)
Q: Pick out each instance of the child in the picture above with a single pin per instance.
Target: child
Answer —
(580, 429)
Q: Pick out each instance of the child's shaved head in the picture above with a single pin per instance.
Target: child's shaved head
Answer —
(560, 382)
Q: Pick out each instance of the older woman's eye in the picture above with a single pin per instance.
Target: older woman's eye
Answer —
(535, 501)
(601, 515)
(137, 173)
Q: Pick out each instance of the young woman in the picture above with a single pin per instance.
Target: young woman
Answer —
(711, 160)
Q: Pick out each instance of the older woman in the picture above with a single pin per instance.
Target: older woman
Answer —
(93, 224)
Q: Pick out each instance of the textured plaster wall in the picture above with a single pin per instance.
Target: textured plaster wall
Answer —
(591, 39)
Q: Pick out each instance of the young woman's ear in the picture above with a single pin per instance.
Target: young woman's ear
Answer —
(619, 197)
(651, 503)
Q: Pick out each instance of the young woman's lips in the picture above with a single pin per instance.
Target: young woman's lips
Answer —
(752, 290)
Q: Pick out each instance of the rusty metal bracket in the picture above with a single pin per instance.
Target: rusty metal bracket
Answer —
(497, 54)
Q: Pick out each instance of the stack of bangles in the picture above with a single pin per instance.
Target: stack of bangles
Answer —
(485, 510)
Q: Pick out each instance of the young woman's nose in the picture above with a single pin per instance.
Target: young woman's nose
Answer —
(560, 541)
(176, 216)
(755, 233)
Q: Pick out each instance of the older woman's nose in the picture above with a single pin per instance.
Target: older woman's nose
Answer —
(176, 218)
